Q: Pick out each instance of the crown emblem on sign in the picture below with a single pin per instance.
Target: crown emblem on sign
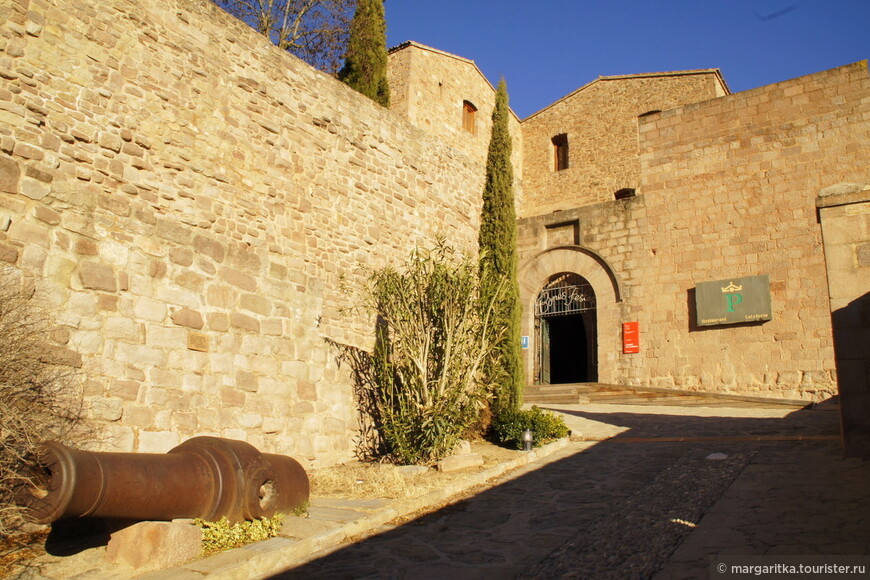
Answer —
(732, 287)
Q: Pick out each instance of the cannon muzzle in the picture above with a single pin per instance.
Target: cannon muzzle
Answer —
(204, 477)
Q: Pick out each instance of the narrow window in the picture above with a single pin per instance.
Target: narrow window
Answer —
(468, 113)
(560, 151)
(624, 193)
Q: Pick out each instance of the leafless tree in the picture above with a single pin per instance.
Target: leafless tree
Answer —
(314, 30)
(39, 396)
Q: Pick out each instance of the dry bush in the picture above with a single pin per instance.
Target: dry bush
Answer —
(39, 398)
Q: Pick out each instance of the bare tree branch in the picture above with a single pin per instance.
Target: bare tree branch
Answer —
(314, 30)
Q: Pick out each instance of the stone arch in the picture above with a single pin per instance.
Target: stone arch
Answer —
(538, 270)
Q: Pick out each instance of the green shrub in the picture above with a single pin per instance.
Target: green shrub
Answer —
(222, 535)
(508, 426)
(432, 338)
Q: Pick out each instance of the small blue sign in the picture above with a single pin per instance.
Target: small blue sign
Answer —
(525, 341)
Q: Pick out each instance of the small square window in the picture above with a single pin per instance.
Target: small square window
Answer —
(560, 151)
(468, 113)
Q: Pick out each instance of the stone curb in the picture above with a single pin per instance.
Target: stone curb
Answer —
(263, 559)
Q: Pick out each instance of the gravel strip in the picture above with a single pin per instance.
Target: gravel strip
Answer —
(638, 537)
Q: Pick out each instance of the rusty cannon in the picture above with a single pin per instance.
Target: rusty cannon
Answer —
(204, 477)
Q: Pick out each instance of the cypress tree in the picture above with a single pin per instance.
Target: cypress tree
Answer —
(365, 65)
(498, 263)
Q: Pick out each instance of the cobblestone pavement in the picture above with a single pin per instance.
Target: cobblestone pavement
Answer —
(671, 488)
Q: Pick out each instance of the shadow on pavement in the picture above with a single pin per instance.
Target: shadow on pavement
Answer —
(606, 509)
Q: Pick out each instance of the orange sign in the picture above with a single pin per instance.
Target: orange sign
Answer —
(630, 337)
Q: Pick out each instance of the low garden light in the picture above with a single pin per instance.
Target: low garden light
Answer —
(527, 440)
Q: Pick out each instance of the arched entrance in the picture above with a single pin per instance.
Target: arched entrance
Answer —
(566, 331)
(604, 339)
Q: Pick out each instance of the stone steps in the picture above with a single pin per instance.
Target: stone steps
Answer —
(579, 393)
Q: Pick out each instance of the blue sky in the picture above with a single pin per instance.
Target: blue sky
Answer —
(548, 48)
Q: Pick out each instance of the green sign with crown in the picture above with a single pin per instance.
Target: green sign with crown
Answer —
(733, 300)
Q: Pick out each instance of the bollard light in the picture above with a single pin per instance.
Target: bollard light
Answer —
(527, 440)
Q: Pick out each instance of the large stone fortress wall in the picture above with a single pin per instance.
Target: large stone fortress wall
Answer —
(190, 197)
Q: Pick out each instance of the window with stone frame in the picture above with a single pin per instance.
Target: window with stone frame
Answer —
(560, 151)
(469, 112)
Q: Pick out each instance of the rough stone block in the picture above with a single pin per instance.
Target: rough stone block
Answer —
(209, 247)
(8, 254)
(157, 441)
(110, 141)
(244, 322)
(47, 215)
(239, 279)
(255, 303)
(457, 462)
(154, 545)
(188, 318)
(9, 174)
(28, 151)
(29, 233)
(150, 310)
(106, 409)
(247, 381)
(98, 276)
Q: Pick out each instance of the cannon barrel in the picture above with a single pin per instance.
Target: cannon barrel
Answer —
(204, 477)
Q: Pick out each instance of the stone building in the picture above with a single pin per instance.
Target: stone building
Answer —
(634, 189)
(195, 203)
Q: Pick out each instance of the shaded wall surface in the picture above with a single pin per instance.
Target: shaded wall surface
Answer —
(190, 197)
(844, 212)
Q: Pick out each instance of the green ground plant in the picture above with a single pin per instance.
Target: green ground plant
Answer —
(432, 338)
(222, 535)
(545, 426)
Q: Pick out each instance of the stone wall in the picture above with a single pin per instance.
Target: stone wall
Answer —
(730, 187)
(606, 240)
(600, 120)
(189, 198)
(429, 88)
(727, 189)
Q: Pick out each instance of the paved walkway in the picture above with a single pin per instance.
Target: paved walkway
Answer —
(654, 492)
(634, 506)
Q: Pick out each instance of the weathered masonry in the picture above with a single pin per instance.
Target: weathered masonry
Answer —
(189, 198)
(719, 189)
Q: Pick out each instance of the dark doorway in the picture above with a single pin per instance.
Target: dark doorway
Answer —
(568, 362)
(566, 332)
